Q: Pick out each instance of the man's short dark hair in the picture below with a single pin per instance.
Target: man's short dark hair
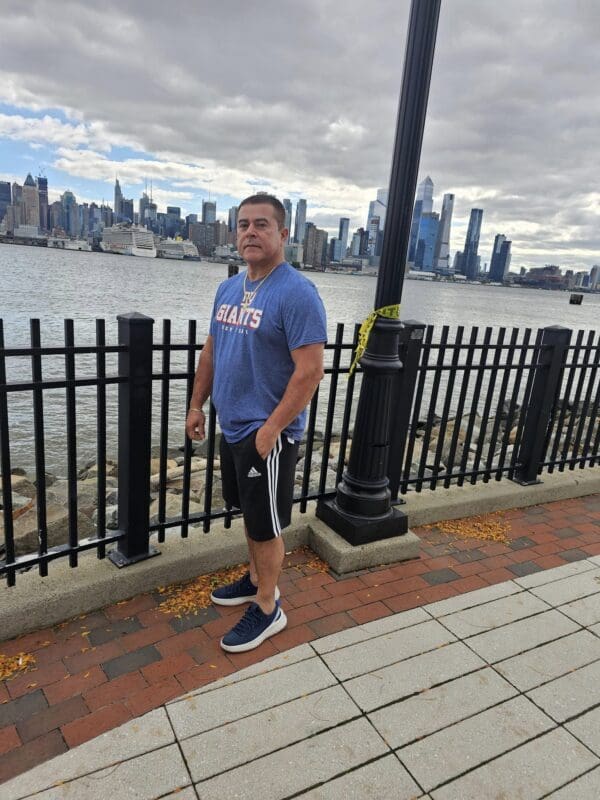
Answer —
(257, 199)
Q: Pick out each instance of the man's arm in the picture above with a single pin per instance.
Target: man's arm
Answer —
(308, 371)
(203, 379)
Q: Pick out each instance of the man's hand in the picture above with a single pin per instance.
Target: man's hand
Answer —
(194, 425)
(265, 440)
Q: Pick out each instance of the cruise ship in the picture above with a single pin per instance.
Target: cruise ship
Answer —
(128, 240)
(173, 248)
(64, 243)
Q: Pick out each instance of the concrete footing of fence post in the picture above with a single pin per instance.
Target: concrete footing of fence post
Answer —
(544, 394)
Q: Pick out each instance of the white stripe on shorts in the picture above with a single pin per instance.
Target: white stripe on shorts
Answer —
(272, 480)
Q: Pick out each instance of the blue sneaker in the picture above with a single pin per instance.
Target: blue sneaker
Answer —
(253, 628)
(238, 592)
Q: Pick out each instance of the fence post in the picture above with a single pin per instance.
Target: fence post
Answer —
(135, 418)
(410, 343)
(544, 392)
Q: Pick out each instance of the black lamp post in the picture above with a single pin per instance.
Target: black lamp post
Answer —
(362, 510)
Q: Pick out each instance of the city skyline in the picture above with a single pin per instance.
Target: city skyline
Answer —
(512, 119)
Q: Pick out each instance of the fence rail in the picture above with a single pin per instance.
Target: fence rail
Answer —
(469, 405)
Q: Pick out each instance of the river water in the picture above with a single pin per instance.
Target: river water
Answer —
(53, 285)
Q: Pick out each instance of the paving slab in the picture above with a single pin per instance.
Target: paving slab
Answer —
(518, 637)
(550, 661)
(380, 651)
(301, 766)
(153, 775)
(185, 794)
(136, 737)
(587, 729)
(230, 746)
(285, 659)
(370, 630)
(437, 708)
(555, 574)
(566, 697)
(585, 788)
(202, 712)
(492, 615)
(585, 611)
(392, 683)
(470, 599)
(569, 589)
(444, 755)
(385, 778)
(528, 773)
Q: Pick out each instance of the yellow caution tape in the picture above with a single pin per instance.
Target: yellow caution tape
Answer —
(392, 312)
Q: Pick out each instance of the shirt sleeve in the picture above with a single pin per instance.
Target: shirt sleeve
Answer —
(304, 318)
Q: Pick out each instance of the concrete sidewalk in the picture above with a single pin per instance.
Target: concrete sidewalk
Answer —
(489, 694)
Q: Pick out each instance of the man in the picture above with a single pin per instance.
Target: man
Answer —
(261, 363)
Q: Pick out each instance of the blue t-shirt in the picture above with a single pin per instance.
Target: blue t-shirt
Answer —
(252, 347)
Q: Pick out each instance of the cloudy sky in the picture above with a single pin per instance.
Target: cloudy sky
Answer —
(300, 99)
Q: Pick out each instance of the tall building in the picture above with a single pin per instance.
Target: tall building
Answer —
(441, 255)
(470, 259)
(595, 277)
(173, 223)
(428, 233)
(209, 212)
(232, 219)
(143, 207)
(287, 204)
(18, 205)
(56, 217)
(343, 235)
(315, 246)
(378, 207)
(5, 198)
(423, 205)
(118, 206)
(42, 186)
(500, 261)
(70, 213)
(375, 236)
(126, 209)
(31, 202)
(300, 223)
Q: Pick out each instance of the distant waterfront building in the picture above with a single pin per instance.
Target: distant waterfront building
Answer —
(287, 204)
(500, 261)
(189, 220)
(428, 233)
(5, 198)
(18, 205)
(173, 222)
(143, 207)
(55, 214)
(209, 212)
(221, 233)
(595, 277)
(294, 253)
(42, 187)
(441, 255)
(378, 207)
(127, 209)
(375, 237)
(470, 260)
(300, 222)
(343, 235)
(70, 213)
(315, 246)
(423, 205)
(118, 206)
(232, 219)
(203, 236)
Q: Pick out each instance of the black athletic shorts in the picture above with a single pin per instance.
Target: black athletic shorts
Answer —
(262, 488)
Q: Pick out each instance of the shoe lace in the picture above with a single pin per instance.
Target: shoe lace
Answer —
(249, 620)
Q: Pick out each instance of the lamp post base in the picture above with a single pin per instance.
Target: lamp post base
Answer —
(362, 530)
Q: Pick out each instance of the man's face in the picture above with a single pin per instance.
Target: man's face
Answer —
(259, 239)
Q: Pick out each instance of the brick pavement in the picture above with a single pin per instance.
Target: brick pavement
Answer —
(97, 671)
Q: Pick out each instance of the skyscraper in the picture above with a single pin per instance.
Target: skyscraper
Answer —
(428, 233)
(232, 220)
(42, 186)
(423, 205)
(144, 205)
(470, 259)
(375, 236)
(343, 235)
(595, 277)
(441, 256)
(5, 198)
(300, 222)
(31, 202)
(70, 213)
(378, 207)
(209, 212)
(287, 204)
(118, 207)
(500, 261)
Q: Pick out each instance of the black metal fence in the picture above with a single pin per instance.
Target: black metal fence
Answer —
(470, 406)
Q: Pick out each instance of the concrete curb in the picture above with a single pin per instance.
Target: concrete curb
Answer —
(36, 602)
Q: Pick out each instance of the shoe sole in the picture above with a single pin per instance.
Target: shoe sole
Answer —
(238, 601)
(275, 627)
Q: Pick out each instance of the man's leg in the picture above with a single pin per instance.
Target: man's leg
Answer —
(269, 560)
(251, 559)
